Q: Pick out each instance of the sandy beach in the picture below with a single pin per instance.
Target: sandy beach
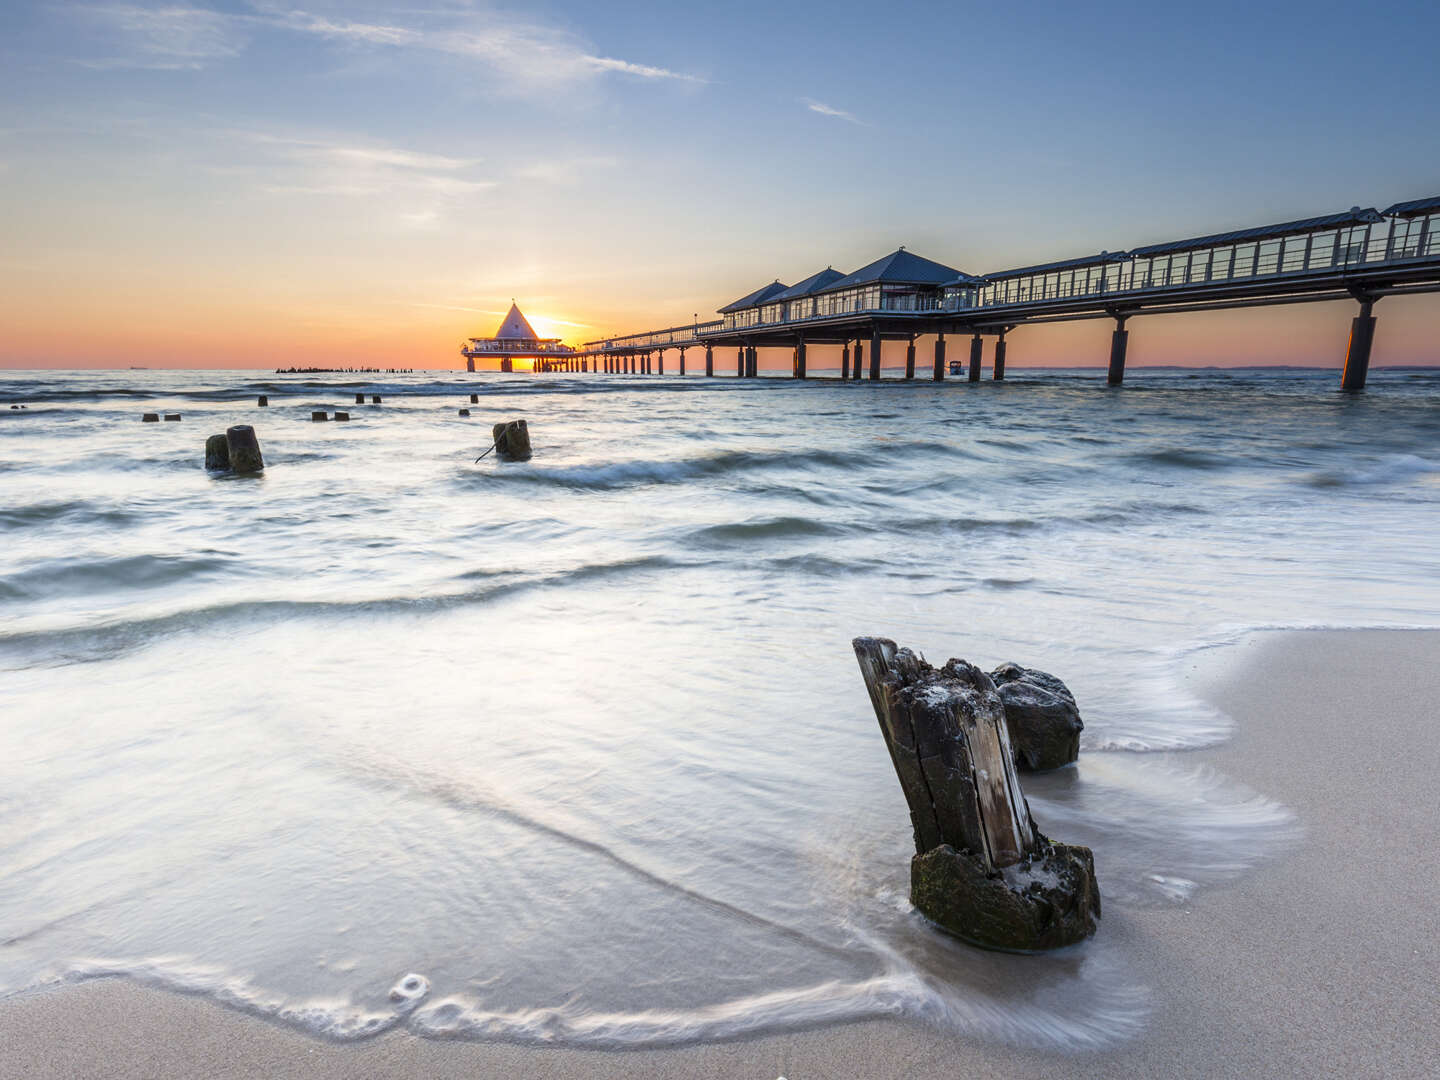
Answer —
(1320, 962)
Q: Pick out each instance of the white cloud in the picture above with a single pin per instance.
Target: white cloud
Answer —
(827, 110)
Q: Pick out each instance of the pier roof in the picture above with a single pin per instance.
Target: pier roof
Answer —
(1353, 216)
(900, 267)
(1045, 268)
(813, 284)
(756, 298)
(515, 327)
(1413, 208)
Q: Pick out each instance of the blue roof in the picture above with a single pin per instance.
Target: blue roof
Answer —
(1353, 216)
(1413, 208)
(812, 284)
(756, 298)
(901, 268)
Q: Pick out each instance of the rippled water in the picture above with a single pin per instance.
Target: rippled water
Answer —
(581, 742)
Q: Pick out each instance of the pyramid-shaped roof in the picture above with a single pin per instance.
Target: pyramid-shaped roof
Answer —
(812, 284)
(515, 326)
(900, 267)
(756, 298)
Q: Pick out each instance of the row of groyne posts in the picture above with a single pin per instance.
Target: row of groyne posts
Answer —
(1359, 256)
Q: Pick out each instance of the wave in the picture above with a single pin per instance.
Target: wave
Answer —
(71, 512)
(87, 644)
(768, 528)
(1180, 458)
(64, 577)
(1390, 469)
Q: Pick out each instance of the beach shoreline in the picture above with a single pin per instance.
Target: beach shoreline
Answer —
(1316, 962)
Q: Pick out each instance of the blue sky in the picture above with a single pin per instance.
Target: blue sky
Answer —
(340, 165)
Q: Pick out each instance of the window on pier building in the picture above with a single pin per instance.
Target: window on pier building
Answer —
(772, 313)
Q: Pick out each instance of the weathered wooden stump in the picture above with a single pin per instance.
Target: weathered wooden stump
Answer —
(172, 416)
(512, 440)
(474, 399)
(316, 417)
(374, 399)
(981, 869)
(1044, 720)
(150, 418)
(217, 453)
(262, 401)
(359, 399)
(342, 416)
(464, 412)
(244, 449)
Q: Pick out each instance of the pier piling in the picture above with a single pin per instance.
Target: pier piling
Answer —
(859, 367)
(709, 360)
(977, 353)
(1357, 353)
(940, 357)
(875, 355)
(1000, 357)
(800, 358)
(845, 363)
(910, 359)
(1119, 340)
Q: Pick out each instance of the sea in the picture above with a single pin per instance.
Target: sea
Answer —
(575, 751)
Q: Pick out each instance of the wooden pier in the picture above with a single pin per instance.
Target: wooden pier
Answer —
(1359, 256)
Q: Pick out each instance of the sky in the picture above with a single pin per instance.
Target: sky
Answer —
(258, 184)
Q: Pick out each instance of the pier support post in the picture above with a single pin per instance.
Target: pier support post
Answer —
(709, 361)
(660, 369)
(1000, 357)
(1357, 353)
(845, 363)
(682, 362)
(977, 353)
(859, 359)
(752, 362)
(940, 358)
(910, 360)
(740, 362)
(799, 371)
(875, 352)
(1118, 342)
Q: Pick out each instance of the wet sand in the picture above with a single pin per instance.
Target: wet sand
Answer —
(1320, 962)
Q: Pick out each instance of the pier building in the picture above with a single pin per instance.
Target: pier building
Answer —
(1360, 256)
(516, 340)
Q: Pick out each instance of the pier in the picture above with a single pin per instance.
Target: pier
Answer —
(1359, 256)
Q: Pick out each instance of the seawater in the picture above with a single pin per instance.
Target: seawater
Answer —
(581, 742)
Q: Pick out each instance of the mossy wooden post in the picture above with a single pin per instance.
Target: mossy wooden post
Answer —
(512, 440)
(262, 402)
(217, 453)
(150, 418)
(244, 449)
(317, 417)
(359, 399)
(981, 870)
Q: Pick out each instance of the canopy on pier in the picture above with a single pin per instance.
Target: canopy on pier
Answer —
(900, 267)
(1353, 216)
(811, 285)
(515, 327)
(1414, 208)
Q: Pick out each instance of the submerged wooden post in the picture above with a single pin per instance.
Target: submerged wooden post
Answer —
(981, 871)
(217, 453)
(243, 447)
(512, 440)
(262, 402)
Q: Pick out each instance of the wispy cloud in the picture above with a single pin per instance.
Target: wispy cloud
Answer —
(828, 110)
(165, 38)
(525, 53)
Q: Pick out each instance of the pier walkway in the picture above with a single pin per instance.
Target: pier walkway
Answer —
(1359, 255)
